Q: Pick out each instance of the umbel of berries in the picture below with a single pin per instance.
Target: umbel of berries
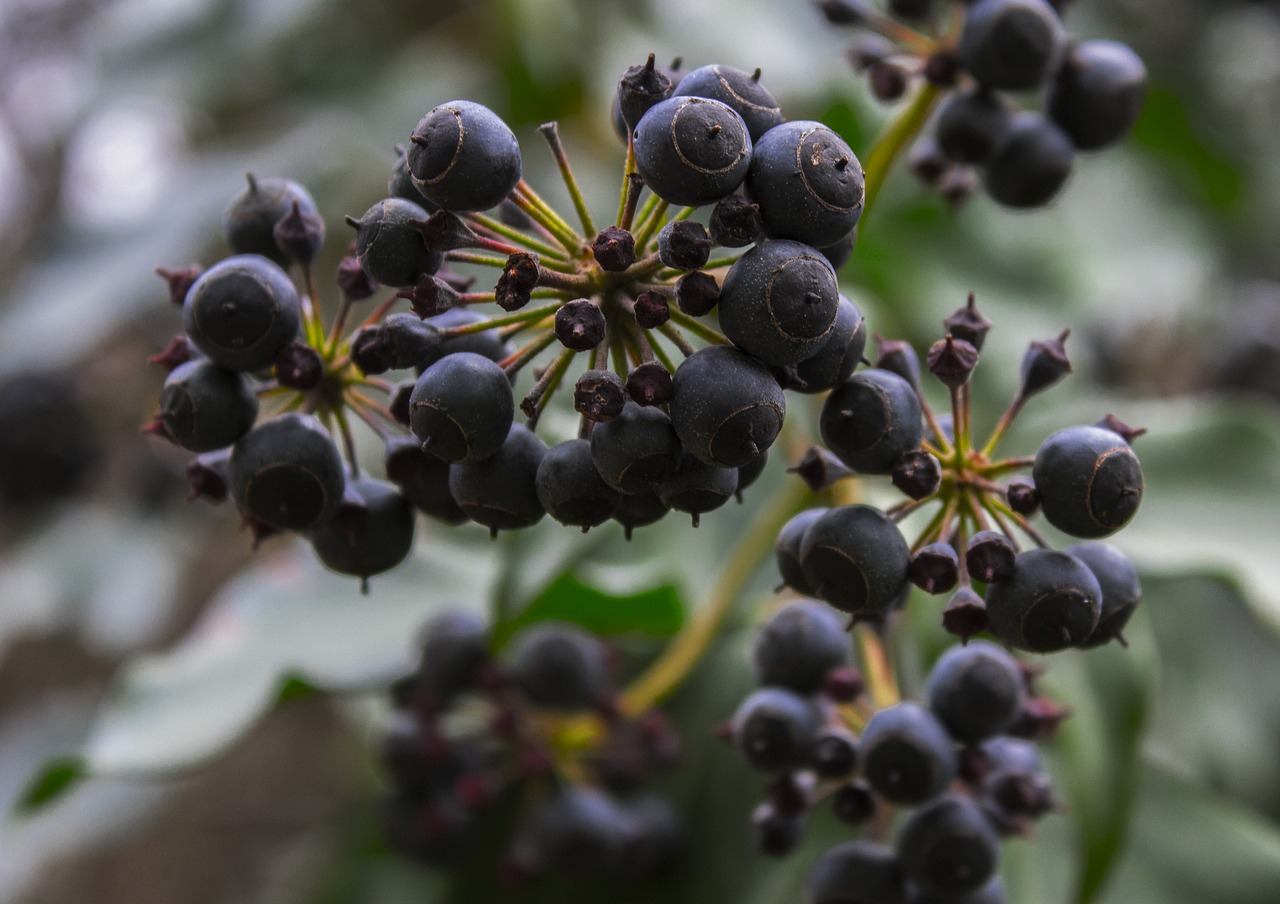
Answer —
(973, 67)
(1086, 481)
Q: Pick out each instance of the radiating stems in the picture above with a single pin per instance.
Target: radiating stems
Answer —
(651, 225)
(658, 351)
(687, 648)
(627, 170)
(348, 440)
(524, 316)
(538, 211)
(1002, 427)
(996, 469)
(551, 132)
(697, 327)
(546, 385)
(523, 355)
(544, 251)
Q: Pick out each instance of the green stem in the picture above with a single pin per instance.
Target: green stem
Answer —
(698, 328)
(894, 138)
(528, 314)
(551, 132)
(515, 235)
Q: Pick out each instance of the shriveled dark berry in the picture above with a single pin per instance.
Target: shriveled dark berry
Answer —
(917, 473)
(299, 366)
(500, 491)
(464, 157)
(965, 614)
(871, 420)
(206, 407)
(907, 756)
(639, 89)
(1051, 601)
(1121, 589)
(775, 728)
(726, 408)
(559, 666)
(371, 532)
(952, 361)
(897, 356)
(857, 871)
(777, 832)
(599, 395)
(652, 310)
(1022, 496)
(740, 90)
(1044, 364)
(834, 754)
(819, 469)
(798, 646)
(462, 407)
(636, 449)
(947, 847)
(580, 325)
(614, 249)
(967, 323)
(684, 245)
(517, 281)
(571, 489)
(735, 222)
(976, 690)
(779, 301)
(887, 79)
(989, 556)
(935, 568)
(808, 183)
(856, 559)
(241, 312)
(209, 476)
(1089, 481)
(649, 384)
(854, 803)
(697, 293)
(691, 150)
(287, 473)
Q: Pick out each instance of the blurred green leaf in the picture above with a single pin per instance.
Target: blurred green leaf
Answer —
(656, 612)
(1167, 131)
(57, 777)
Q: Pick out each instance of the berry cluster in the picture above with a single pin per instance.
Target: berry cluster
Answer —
(963, 763)
(654, 436)
(540, 729)
(1091, 91)
(1086, 480)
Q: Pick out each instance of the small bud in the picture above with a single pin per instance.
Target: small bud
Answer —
(967, 323)
(517, 282)
(580, 325)
(1121, 429)
(444, 231)
(917, 473)
(952, 361)
(820, 469)
(599, 395)
(369, 352)
(177, 352)
(927, 160)
(834, 755)
(179, 281)
(868, 49)
(1044, 364)
(614, 249)
(640, 88)
(1040, 718)
(429, 296)
(965, 615)
(697, 294)
(942, 67)
(735, 222)
(649, 384)
(935, 568)
(353, 282)
(208, 476)
(854, 804)
(651, 310)
(1023, 497)
(898, 357)
(989, 556)
(843, 684)
(299, 235)
(299, 366)
(887, 80)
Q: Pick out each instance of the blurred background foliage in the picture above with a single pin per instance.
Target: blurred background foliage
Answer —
(198, 723)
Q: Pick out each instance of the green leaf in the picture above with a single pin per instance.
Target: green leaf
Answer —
(656, 612)
(58, 776)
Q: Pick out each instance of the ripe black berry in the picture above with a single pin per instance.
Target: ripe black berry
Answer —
(1089, 481)
(636, 449)
(571, 489)
(976, 690)
(371, 532)
(1097, 94)
(1121, 589)
(774, 729)
(697, 487)
(462, 407)
(777, 832)
(778, 302)
(1030, 163)
(390, 248)
(798, 647)
(206, 407)
(463, 157)
(907, 756)
(560, 666)
(857, 871)
(871, 420)
(1011, 44)
(639, 510)
(808, 183)
(726, 408)
(241, 312)
(947, 846)
(423, 478)
(287, 473)
(855, 559)
(500, 491)
(249, 222)
(840, 353)
(1051, 601)
(741, 91)
(692, 151)
(787, 550)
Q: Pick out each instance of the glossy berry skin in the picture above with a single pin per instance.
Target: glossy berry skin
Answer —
(970, 124)
(500, 491)
(991, 893)
(692, 151)
(856, 871)
(249, 221)
(787, 549)
(697, 487)
(798, 647)
(636, 450)
(422, 478)
(774, 728)
(726, 408)
(463, 157)
(740, 90)
(389, 247)
(871, 420)
(369, 537)
(976, 690)
(461, 407)
(287, 473)
(206, 407)
(571, 489)
(856, 559)
(1097, 95)
(1050, 602)
(947, 846)
(1030, 163)
(560, 666)
(1011, 44)
(778, 302)
(1089, 481)
(840, 353)
(1121, 589)
(241, 312)
(808, 183)
(907, 756)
